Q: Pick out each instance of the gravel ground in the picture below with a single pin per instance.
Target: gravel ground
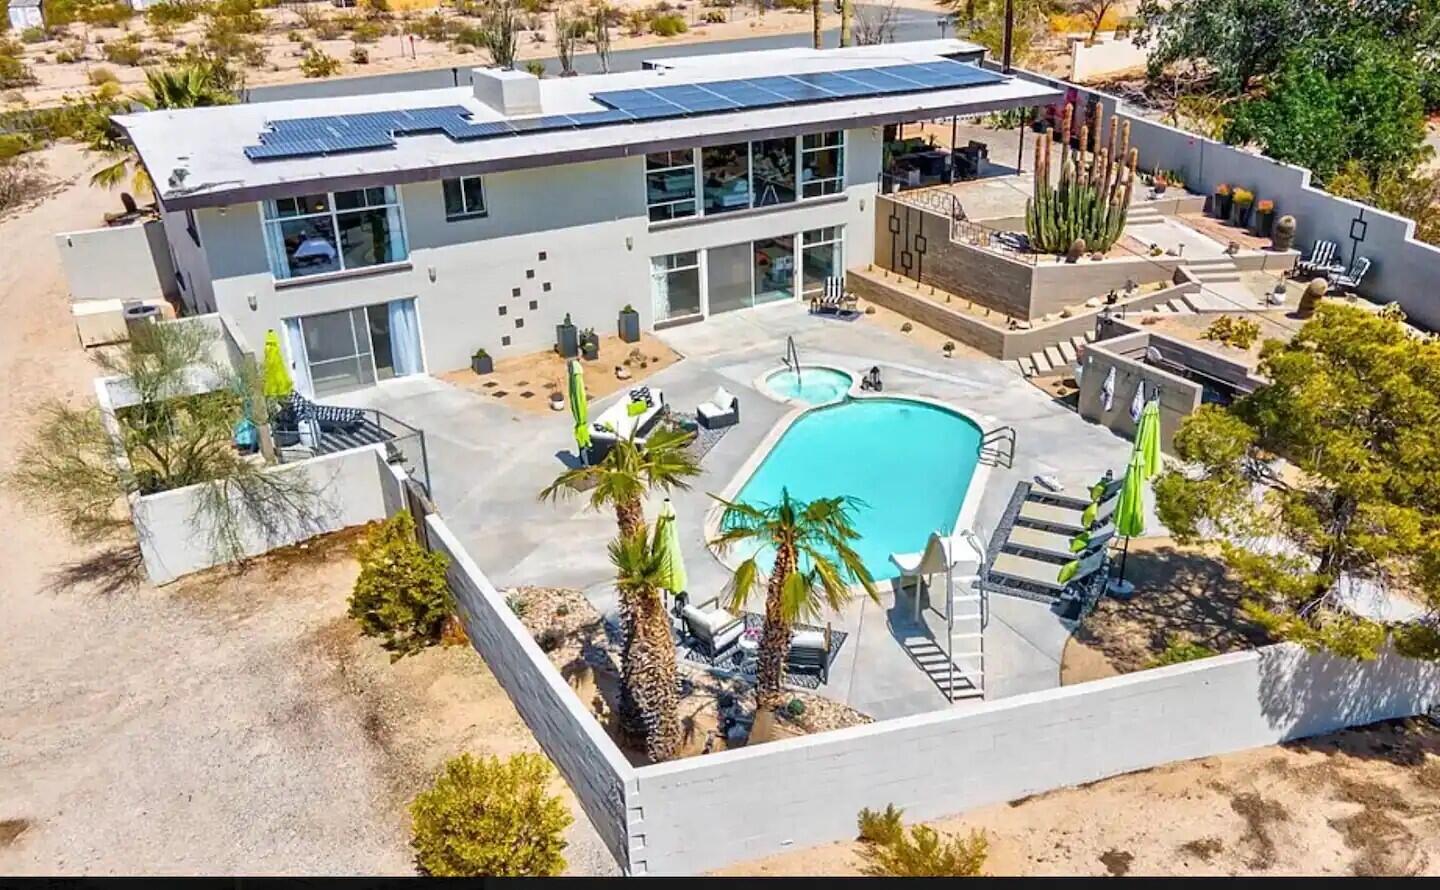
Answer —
(223, 725)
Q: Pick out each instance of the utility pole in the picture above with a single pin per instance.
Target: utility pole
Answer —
(1008, 45)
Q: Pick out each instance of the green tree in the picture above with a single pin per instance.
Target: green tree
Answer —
(401, 594)
(983, 21)
(815, 564)
(486, 817)
(1337, 463)
(1413, 195)
(1237, 40)
(648, 673)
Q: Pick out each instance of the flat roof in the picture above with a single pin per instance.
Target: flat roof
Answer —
(196, 155)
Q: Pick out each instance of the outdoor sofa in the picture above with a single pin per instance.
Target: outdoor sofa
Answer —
(721, 410)
(713, 628)
(617, 422)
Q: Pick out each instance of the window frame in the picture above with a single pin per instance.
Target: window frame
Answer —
(671, 269)
(694, 199)
(805, 190)
(836, 242)
(333, 214)
(838, 180)
(466, 213)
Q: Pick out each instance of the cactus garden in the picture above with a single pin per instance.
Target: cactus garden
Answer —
(1084, 212)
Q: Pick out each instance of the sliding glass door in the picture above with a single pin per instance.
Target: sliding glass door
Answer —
(356, 347)
(727, 277)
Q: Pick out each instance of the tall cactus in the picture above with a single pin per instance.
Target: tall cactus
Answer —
(1092, 197)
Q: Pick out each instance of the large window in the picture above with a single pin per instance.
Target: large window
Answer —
(464, 198)
(773, 161)
(675, 285)
(670, 184)
(822, 256)
(774, 274)
(314, 234)
(726, 169)
(822, 163)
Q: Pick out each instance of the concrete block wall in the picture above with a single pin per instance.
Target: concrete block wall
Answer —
(580, 749)
(176, 539)
(118, 263)
(1179, 398)
(704, 813)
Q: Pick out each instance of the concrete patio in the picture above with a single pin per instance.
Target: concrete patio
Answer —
(488, 464)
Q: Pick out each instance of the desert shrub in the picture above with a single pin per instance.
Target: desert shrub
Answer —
(360, 55)
(318, 63)
(367, 32)
(125, 52)
(328, 29)
(714, 17)
(487, 817)
(535, 7)
(101, 76)
(14, 72)
(880, 827)
(517, 604)
(793, 5)
(243, 16)
(1180, 649)
(20, 181)
(668, 24)
(401, 594)
(12, 145)
(32, 35)
(1228, 330)
(535, 67)
(172, 12)
(923, 852)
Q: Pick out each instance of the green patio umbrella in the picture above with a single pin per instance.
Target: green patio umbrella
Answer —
(667, 536)
(1130, 513)
(1147, 438)
(579, 407)
(276, 377)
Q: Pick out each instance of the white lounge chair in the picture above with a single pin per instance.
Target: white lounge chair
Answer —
(1058, 544)
(1321, 260)
(1348, 282)
(1069, 517)
(713, 628)
(616, 422)
(1043, 574)
(834, 298)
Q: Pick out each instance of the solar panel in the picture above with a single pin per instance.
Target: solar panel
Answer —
(304, 137)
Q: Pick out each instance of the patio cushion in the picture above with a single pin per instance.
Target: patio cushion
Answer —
(634, 409)
(808, 639)
(711, 622)
(722, 398)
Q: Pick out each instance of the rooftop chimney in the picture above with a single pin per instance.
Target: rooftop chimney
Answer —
(508, 92)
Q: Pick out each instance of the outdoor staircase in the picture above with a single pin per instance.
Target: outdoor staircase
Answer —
(1213, 270)
(1143, 215)
(967, 644)
(1221, 289)
(1056, 357)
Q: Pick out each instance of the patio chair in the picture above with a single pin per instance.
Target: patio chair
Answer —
(616, 422)
(1059, 545)
(1070, 517)
(722, 410)
(1039, 573)
(1321, 260)
(834, 298)
(810, 653)
(1349, 282)
(1102, 489)
(711, 627)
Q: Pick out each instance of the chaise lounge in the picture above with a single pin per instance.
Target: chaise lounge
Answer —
(618, 422)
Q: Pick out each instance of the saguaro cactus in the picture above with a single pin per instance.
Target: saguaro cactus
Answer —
(1092, 197)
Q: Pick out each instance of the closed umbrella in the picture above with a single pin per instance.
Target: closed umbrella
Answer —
(667, 535)
(1147, 438)
(1130, 515)
(579, 408)
(275, 375)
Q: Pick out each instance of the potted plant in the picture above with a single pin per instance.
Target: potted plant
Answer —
(629, 324)
(590, 344)
(1264, 217)
(481, 362)
(1221, 205)
(566, 341)
(1241, 200)
(1160, 182)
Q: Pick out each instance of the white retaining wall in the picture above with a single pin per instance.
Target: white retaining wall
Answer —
(120, 263)
(582, 751)
(704, 813)
(1404, 270)
(175, 540)
(1103, 57)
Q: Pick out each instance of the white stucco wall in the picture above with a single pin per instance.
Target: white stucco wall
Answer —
(589, 220)
(192, 266)
(1103, 57)
(117, 263)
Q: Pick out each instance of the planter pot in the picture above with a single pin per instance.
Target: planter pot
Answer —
(567, 340)
(482, 364)
(1222, 206)
(591, 351)
(1264, 223)
(1160, 188)
(1240, 215)
(630, 326)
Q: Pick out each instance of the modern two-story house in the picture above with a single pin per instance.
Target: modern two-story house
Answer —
(397, 233)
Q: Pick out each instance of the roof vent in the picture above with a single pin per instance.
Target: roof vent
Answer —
(508, 92)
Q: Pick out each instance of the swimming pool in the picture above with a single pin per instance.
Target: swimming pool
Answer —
(910, 462)
(814, 385)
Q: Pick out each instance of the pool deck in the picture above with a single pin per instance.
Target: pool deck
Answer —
(489, 462)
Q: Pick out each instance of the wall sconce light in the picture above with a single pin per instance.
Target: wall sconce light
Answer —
(432, 274)
(862, 205)
(250, 299)
(222, 210)
(629, 242)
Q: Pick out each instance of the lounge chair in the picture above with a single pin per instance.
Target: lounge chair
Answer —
(722, 410)
(1321, 261)
(1069, 517)
(810, 653)
(1044, 574)
(834, 298)
(616, 422)
(1061, 545)
(713, 628)
(1349, 282)
(1102, 489)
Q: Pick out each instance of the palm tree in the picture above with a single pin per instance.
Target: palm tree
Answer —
(620, 480)
(197, 85)
(815, 563)
(648, 675)
(816, 23)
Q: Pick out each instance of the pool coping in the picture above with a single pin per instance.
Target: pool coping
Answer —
(974, 492)
(762, 384)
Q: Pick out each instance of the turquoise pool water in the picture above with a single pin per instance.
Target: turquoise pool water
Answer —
(910, 462)
(815, 386)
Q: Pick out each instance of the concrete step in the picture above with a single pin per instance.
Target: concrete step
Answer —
(1042, 362)
(1067, 352)
(1078, 341)
(1056, 357)
(1026, 364)
(1090, 336)
(1180, 307)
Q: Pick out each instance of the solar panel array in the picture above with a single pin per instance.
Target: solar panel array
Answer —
(308, 137)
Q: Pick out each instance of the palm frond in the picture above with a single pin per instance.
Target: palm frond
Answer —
(742, 583)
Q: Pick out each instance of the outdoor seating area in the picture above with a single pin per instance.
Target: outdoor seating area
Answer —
(1324, 261)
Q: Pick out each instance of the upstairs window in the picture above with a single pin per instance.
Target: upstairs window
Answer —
(822, 163)
(464, 198)
(670, 184)
(332, 232)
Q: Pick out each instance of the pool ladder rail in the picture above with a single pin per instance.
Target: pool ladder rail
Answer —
(792, 359)
(997, 446)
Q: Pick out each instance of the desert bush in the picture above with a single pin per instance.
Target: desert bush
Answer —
(12, 145)
(432, 27)
(793, 5)
(14, 72)
(1180, 649)
(714, 17)
(318, 63)
(923, 852)
(360, 55)
(880, 827)
(367, 32)
(172, 12)
(401, 594)
(328, 29)
(32, 35)
(668, 24)
(127, 52)
(20, 181)
(101, 76)
(1227, 330)
(243, 16)
(487, 817)
(535, 67)
(535, 7)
